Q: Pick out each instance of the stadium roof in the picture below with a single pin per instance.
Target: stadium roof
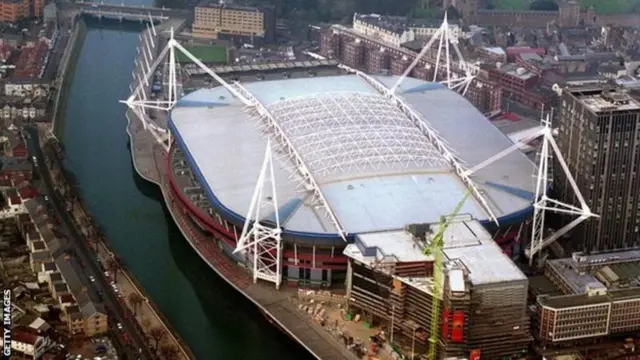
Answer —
(375, 168)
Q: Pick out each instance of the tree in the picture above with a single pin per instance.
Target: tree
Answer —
(113, 266)
(157, 334)
(453, 13)
(169, 352)
(543, 5)
(135, 300)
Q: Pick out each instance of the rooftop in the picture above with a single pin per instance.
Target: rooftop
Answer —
(597, 99)
(399, 24)
(374, 165)
(70, 270)
(568, 301)
(581, 270)
(466, 242)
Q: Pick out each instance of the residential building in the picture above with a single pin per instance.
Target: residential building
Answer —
(518, 84)
(27, 88)
(599, 136)
(374, 56)
(236, 23)
(30, 345)
(83, 315)
(14, 10)
(396, 30)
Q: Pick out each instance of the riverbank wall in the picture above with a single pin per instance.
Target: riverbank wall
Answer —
(87, 226)
(64, 76)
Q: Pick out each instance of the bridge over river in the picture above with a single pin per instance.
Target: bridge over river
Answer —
(121, 12)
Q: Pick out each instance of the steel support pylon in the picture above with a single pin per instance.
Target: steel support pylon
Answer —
(443, 62)
(261, 241)
(542, 202)
(148, 59)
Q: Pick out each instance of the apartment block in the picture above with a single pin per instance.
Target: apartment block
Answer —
(15, 10)
(599, 136)
(234, 23)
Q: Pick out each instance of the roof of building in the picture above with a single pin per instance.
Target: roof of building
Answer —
(400, 24)
(222, 5)
(70, 273)
(14, 164)
(465, 241)
(39, 245)
(55, 277)
(598, 99)
(23, 337)
(581, 270)
(568, 301)
(374, 166)
(40, 255)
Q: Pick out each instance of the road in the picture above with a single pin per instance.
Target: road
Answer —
(138, 340)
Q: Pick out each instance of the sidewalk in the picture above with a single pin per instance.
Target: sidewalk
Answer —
(145, 314)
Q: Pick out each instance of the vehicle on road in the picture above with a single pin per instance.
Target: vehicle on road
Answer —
(119, 326)
(92, 279)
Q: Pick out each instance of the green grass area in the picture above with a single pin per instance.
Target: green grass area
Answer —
(206, 53)
(511, 4)
(601, 6)
(611, 6)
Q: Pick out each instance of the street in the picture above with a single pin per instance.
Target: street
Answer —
(138, 340)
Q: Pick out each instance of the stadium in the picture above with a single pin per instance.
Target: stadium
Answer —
(371, 159)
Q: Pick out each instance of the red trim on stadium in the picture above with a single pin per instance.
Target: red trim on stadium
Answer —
(336, 262)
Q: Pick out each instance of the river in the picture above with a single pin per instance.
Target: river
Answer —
(214, 320)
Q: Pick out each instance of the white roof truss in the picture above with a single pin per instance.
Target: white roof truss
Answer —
(343, 133)
(436, 140)
(287, 146)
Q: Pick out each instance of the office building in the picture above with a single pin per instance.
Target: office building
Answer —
(599, 135)
(235, 23)
(587, 297)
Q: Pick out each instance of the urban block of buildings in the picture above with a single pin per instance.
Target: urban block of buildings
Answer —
(55, 267)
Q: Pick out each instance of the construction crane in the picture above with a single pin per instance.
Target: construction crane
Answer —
(435, 249)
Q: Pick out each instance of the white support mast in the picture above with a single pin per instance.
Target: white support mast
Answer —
(139, 102)
(542, 202)
(259, 240)
(445, 38)
(153, 26)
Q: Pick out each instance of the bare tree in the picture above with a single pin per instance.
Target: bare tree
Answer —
(113, 266)
(169, 352)
(135, 300)
(157, 334)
